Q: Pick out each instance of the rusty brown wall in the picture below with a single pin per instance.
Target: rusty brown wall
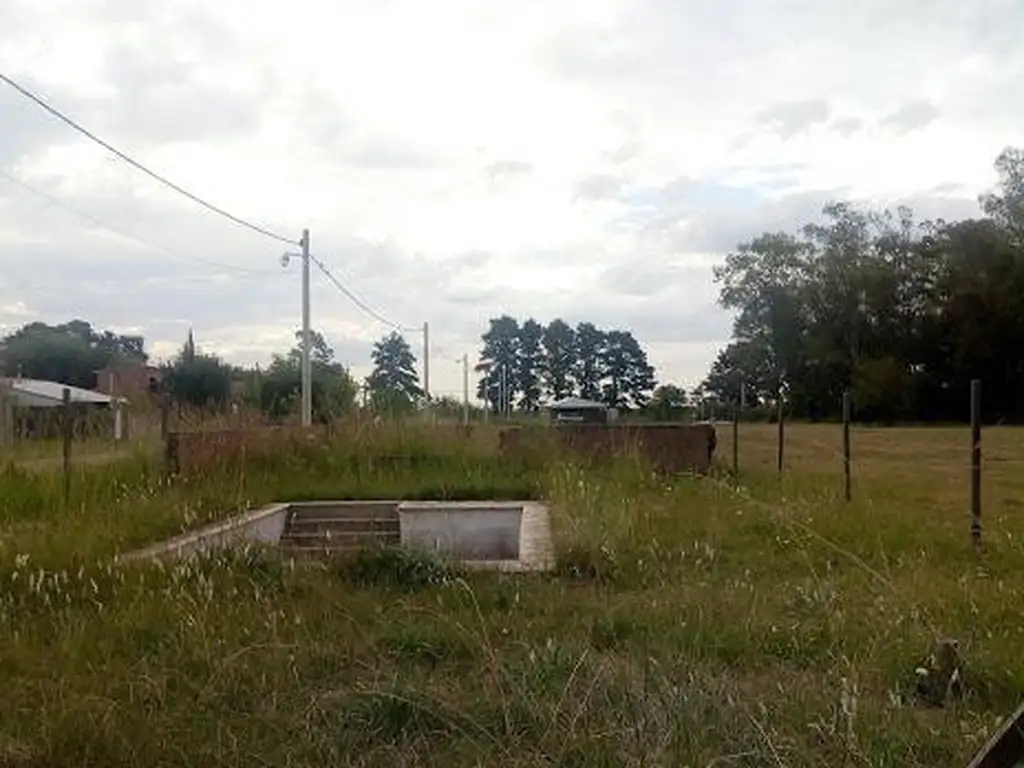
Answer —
(668, 447)
(191, 453)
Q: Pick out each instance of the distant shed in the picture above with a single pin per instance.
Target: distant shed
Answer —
(578, 410)
(27, 407)
(36, 393)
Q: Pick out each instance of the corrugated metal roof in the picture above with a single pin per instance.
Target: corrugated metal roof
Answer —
(36, 393)
(576, 403)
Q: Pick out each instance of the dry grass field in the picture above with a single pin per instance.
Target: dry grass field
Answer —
(689, 622)
(923, 469)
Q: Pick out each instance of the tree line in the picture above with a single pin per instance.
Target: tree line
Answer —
(523, 365)
(902, 312)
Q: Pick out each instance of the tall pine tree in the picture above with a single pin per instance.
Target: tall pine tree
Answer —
(531, 364)
(559, 357)
(393, 384)
(588, 365)
(499, 364)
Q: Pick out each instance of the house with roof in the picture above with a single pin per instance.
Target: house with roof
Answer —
(37, 393)
(579, 410)
(25, 403)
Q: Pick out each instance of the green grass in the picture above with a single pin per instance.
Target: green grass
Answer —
(688, 622)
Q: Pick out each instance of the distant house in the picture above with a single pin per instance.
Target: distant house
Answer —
(36, 393)
(581, 411)
(34, 398)
(127, 379)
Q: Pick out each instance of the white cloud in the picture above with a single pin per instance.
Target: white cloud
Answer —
(454, 160)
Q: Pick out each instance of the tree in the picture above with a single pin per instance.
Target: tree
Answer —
(333, 389)
(765, 281)
(530, 364)
(1006, 205)
(743, 367)
(628, 377)
(559, 346)
(70, 353)
(393, 384)
(197, 379)
(499, 364)
(556, 361)
(903, 313)
(588, 366)
(668, 403)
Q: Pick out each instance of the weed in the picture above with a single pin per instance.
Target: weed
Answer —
(394, 568)
(585, 564)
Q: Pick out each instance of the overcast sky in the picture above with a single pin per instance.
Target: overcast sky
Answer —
(457, 159)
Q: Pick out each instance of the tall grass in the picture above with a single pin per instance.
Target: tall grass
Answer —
(688, 622)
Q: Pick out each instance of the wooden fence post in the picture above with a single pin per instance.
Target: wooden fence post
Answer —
(782, 430)
(736, 411)
(847, 491)
(67, 433)
(165, 416)
(171, 457)
(976, 463)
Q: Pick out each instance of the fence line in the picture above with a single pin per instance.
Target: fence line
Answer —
(845, 454)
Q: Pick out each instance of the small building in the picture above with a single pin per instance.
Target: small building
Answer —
(577, 410)
(37, 393)
(27, 407)
(128, 379)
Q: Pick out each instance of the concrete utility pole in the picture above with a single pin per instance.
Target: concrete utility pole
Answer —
(426, 362)
(307, 368)
(465, 388)
(307, 337)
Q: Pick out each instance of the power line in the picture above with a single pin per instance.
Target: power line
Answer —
(139, 166)
(357, 301)
(122, 233)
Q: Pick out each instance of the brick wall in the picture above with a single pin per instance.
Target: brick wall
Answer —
(191, 453)
(669, 448)
(126, 380)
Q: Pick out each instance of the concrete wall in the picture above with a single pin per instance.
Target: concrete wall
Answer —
(260, 526)
(486, 531)
(668, 448)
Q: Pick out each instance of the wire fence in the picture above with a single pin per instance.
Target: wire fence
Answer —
(860, 460)
(857, 457)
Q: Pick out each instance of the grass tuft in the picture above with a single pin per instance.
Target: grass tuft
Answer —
(393, 568)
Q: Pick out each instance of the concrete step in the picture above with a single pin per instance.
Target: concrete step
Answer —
(340, 540)
(315, 553)
(304, 525)
(348, 543)
(346, 511)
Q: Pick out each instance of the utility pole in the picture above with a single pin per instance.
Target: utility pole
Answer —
(307, 369)
(465, 388)
(426, 362)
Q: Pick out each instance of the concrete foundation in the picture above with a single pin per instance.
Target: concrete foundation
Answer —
(467, 532)
(509, 536)
(263, 526)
